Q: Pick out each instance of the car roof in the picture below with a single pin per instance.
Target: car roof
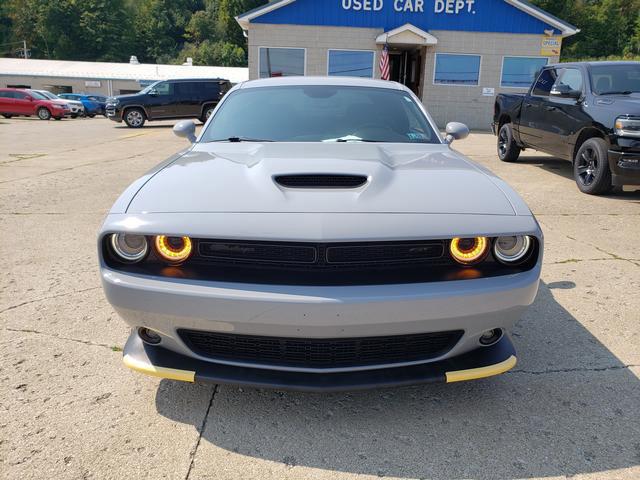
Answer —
(334, 81)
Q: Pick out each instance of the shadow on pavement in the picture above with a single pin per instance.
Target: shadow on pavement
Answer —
(564, 168)
(569, 407)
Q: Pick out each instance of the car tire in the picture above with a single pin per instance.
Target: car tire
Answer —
(75, 115)
(91, 115)
(134, 117)
(43, 113)
(591, 167)
(5, 115)
(57, 118)
(206, 112)
(508, 149)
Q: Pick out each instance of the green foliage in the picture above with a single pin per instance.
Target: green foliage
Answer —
(609, 28)
(169, 31)
(156, 31)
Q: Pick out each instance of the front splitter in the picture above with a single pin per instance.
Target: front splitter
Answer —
(158, 361)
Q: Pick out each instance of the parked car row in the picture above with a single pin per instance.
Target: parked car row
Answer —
(45, 105)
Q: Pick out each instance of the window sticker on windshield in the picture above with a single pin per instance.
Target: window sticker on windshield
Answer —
(417, 136)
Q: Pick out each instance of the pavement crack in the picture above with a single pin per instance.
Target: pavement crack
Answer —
(69, 339)
(36, 300)
(203, 425)
(574, 370)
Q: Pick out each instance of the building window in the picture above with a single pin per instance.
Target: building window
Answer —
(457, 69)
(351, 63)
(520, 72)
(281, 62)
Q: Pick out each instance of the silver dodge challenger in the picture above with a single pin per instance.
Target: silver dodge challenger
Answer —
(320, 234)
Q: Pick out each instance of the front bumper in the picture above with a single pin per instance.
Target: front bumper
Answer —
(482, 362)
(168, 305)
(113, 112)
(625, 167)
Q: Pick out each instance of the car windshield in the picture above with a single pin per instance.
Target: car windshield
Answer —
(615, 79)
(37, 95)
(320, 114)
(49, 95)
(148, 88)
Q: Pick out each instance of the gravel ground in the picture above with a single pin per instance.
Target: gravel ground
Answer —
(69, 409)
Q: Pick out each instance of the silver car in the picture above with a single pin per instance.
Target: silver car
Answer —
(76, 108)
(320, 234)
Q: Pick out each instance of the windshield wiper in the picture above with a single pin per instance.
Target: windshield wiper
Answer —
(241, 139)
(365, 140)
(625, 92)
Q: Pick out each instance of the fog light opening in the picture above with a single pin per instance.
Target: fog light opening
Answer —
(491, 337)
(149, 336)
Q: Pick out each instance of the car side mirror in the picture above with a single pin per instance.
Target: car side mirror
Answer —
(186, 129)
(565, 91)
(456, 131)
(153, 92)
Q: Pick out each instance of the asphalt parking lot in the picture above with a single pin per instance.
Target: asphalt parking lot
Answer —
(69, 409)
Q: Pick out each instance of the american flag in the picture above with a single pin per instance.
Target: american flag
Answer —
(384, 64)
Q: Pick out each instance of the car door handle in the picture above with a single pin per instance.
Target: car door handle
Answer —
(551, 109)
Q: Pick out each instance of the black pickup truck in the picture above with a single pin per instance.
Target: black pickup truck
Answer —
(586, 112)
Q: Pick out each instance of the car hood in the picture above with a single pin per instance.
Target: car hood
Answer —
(402, 178)
(124, 98)
(622, 104)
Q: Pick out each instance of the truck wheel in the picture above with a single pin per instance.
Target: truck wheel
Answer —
(508, 149)
(44, 113)
(591, 167)
(134, 118)
(206, 112)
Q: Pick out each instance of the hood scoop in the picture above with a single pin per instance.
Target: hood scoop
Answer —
(320, 180)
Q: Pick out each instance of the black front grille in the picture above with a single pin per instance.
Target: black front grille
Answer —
(320, 353)
(319, 255)
(260, 252)
(320, 181)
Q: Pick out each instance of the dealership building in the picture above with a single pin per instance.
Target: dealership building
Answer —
(455, 55)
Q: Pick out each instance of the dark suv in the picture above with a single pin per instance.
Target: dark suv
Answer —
(168, 99)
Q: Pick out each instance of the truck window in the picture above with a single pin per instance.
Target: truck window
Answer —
(571, 77)
(545, 82)
(164, 88)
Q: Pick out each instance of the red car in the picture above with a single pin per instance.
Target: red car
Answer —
(16, 102)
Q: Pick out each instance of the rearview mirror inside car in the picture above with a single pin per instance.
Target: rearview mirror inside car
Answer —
(186, 129)
(456, 131)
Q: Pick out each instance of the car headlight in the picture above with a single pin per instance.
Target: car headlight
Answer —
(129, 248)
(512, 250)
(627, 127)
(469, 251)
(173, 249)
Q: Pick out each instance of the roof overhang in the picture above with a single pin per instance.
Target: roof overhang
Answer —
(566, 29)
(407, 34)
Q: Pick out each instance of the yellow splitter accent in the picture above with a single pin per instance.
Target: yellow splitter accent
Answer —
(162, 372)
(482, 372)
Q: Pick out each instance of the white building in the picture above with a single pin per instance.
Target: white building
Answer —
(101, 77)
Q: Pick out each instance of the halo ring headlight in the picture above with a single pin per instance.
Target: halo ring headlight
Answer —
(173, 249)
(513, 249)
(129, 248)
(469, 251)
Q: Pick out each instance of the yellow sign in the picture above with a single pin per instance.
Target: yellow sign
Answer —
(551, 46)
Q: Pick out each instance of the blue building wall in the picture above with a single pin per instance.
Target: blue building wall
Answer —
(471, 15)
